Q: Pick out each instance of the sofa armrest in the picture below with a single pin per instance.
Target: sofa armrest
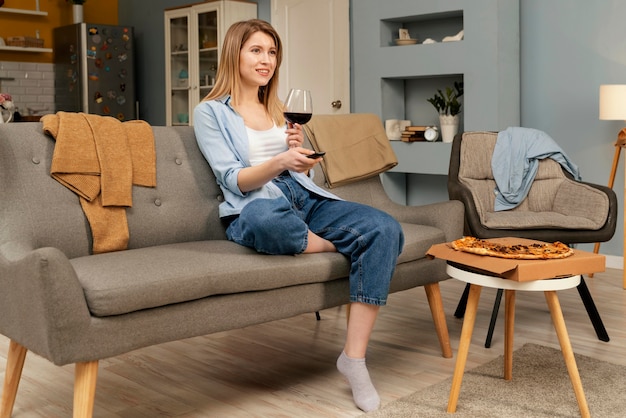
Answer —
(447, 216)
(42, 304)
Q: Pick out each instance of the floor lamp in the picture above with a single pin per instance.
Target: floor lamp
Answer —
(613, 107)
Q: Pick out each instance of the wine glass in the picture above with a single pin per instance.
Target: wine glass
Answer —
(298, 106)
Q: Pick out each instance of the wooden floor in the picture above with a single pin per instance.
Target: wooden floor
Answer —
(286, 368)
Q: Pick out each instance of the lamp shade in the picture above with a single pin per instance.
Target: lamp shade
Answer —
(613, 102)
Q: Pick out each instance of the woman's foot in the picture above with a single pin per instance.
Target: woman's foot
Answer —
(363, 391)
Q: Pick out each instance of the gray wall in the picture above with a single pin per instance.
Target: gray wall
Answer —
(568, 48)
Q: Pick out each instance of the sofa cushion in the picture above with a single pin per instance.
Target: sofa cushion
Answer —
(125, 281)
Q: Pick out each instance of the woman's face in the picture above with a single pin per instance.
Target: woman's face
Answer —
(257, 60)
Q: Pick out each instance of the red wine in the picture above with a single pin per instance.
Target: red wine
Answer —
(300, 118)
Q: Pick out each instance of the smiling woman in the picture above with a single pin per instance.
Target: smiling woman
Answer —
(272, 203)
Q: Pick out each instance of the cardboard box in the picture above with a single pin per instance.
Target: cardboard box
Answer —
(581, 262)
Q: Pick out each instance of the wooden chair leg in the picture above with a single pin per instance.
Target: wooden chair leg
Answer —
(464, 344)
(13, 374)
(433, 294)
(568, 353)
(85, 377)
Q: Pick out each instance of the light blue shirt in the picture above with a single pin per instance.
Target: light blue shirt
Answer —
(223, 140)
(515, 162)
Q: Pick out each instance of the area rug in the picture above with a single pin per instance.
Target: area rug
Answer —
(540, 388)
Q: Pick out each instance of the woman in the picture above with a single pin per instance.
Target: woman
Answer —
(271, 203)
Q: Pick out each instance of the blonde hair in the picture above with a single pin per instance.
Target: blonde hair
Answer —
(228, 75)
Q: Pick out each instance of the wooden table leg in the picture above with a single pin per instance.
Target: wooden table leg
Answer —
(12, 376)
(509, 308)
(566, 349)
(464, 344)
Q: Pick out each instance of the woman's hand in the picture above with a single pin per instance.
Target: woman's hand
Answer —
(294, 159)
(295, 136)
(297, 160)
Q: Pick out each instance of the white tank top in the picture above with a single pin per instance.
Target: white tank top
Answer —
(263, 145)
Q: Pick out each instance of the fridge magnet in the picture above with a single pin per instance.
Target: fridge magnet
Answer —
(99, 63)
(111, 94)
(122, 57)
(120, 100)
(123, 87)
(106, 109)
(120, 116)
(93, 30)
(98, 97)
(93, 76)
(125, 38)
(122, 73)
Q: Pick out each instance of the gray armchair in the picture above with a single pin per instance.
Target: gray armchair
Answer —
(557, 208)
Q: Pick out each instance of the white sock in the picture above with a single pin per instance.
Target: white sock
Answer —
(363, 391)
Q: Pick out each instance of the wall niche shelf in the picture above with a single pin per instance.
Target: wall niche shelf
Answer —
(395, 82)
(435, 26)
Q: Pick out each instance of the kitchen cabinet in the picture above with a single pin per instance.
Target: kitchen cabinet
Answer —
(193, 41)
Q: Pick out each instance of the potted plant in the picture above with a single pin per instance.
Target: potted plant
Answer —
(448, 107)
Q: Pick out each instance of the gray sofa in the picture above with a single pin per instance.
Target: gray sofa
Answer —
(179, 278)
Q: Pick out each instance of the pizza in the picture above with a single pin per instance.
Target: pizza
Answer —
(532, 251)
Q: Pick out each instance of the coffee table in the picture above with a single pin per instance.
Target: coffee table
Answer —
(479, 279)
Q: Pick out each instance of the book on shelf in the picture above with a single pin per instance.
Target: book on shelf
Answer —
(415, 128)
(412, 136)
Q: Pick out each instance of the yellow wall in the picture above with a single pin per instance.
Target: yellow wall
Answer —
(59, 14)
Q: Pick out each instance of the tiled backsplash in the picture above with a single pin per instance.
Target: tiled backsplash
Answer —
(32, 87)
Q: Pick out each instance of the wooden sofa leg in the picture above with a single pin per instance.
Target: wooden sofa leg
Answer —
(13, 374)
(433, 294)
(85, 377)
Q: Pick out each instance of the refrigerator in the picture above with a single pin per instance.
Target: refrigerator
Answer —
(95, 70)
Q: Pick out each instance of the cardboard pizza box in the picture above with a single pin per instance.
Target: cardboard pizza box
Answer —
(581, 262)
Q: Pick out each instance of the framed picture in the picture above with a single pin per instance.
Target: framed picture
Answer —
(404, 34)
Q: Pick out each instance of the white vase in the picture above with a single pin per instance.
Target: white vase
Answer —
(449, 127)
(6, 115)
(77, 13)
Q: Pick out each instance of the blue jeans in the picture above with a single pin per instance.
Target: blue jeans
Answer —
(370, 238)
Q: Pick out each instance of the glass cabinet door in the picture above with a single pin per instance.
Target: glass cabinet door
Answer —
(207, 51)
(179, 71)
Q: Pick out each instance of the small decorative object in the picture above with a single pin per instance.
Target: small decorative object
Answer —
(448, 107)
(454, 38)
(183, 77)
(404, 38)
(431, 134)
(7, 108)
(394, 128)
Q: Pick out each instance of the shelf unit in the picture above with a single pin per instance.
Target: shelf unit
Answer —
(193, 40)
(23, 11)
(24, 49)
(36, 12)
(395, 81)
